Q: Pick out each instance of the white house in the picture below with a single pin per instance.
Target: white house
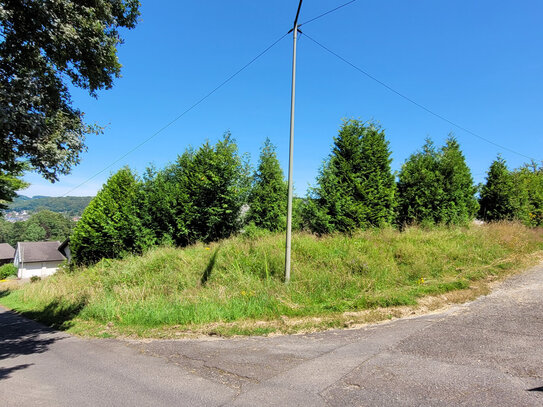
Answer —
(37, 258)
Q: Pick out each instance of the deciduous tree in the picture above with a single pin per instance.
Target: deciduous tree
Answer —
(44, 45)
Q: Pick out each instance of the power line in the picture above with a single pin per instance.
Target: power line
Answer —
(328, 12)
(181, 115)
(414, 102)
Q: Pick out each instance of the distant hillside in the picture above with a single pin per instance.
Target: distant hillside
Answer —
(71, 205)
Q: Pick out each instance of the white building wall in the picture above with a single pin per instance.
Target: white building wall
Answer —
(40, 269)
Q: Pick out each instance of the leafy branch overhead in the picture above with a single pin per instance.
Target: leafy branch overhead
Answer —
(44, 45)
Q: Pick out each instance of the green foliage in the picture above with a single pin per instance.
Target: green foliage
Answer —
(10, 182)
(159, 199)
(459, 205)
(528, 181)
(44, 44)
(356, 187)
(111, 225)
(32, 233)
(70, 205)
(35, 279)
(43, 225)
(7, 270)
(436, 187)
(211, 186)
(499, 196)
(268, 196)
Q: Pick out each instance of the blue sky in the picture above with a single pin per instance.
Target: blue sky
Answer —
(477, 63)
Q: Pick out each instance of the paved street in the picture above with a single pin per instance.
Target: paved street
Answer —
(485, 353)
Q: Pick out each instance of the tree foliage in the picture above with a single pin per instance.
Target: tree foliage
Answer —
(356, 186)
(268, 196)
(528, 181)
(10, 182)
(499, 199)
(211, 186)
(43, 225)
(45, 44)
(111, 225)
(436, 186)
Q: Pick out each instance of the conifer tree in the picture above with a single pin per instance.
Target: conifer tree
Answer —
(459, 205)
(498, 196)
(111, 226)
(436, 186)
(420, 187)
(356, 187)
(528, 182)
(268, 196)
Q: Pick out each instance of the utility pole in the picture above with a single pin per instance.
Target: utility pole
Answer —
(291, 148)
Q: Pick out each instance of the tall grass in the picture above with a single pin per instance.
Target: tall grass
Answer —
(241, 278)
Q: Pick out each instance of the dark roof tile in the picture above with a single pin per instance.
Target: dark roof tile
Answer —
(6, 251)
(39, 251)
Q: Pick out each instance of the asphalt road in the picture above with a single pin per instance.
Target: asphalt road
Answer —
(485, 353)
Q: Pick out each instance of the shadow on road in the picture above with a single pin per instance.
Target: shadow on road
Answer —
(536, 389)
(5, 372)
(20, 336)
(56, 314)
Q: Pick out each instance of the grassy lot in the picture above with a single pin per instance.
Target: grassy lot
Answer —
(236, 287)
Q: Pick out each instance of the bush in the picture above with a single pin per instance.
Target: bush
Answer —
(7, 270)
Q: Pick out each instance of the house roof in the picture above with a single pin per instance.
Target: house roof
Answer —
(29, 252)
(6, 251)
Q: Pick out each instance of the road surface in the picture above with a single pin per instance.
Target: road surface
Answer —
(485, 353)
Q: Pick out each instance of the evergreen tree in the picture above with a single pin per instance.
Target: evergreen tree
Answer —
(436, 186)
(499, 199)
(268, 196)
(528, 182)
(111, 226)
(420, 187)
(355, 185)
(459, 205)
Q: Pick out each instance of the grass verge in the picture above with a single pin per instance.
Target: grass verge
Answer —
(235, 287)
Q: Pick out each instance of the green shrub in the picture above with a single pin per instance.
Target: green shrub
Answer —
(7, 270)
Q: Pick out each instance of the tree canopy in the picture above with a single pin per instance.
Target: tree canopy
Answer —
(356, 187)
(436, 186)
(111, 225)
(499, 200)
(268, 197)
(44, 45)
